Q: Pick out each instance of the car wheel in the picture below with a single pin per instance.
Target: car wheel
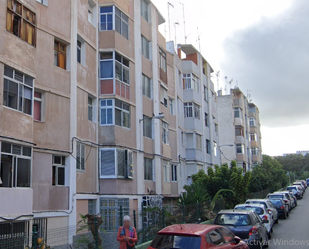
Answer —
(285, 216)
(288, 214)
(265, 243)
(277, 221)
(269, 235)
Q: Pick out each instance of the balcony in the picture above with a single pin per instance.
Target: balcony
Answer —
(20, 201)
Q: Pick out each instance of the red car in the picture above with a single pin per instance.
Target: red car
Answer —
(196, 236)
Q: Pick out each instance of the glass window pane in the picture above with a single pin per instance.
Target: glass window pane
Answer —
(26, 151)
(110, 116)
(8, 72)
(118, 71)
(106, 9)
(61, 176)
(6, 147)
(126, 119)
(106, 68)
(103, 116)
(108, 162)
(125, 30)
(126, 75)
(118, 117)
(109, 102)
(23, 172)
(118, 24)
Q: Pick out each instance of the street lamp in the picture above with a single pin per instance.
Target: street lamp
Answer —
(160, 116)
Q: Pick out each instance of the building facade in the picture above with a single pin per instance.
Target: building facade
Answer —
(239, 128)
(97, 114)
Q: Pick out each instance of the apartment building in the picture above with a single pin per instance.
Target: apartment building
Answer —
(48, 117)
(197, 120)
(239, 128)
(255, 136)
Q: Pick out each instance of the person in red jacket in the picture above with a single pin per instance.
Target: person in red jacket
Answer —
(127, 235)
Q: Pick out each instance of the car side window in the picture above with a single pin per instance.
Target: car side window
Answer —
(270, 204)
(255, 218)
(227, 235)
(215, 238)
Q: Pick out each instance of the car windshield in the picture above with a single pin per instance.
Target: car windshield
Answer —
(290, 188)
(258, 210)
(258, 202)
(277, 203)
(275, 196)
(174, 241)
(233, 219)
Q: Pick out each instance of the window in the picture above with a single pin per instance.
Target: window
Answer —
(20, 21)
(106, 112)
(215, 238)
(146, 48)
(15, 168)
(38, 106)
(240, 149)
(122, 70)
(79, 51)
(91, 13)
(171, 106)
(147, 127)
(237, 113)
(122, 114)
(116, 163)
(44, 2)
(92, 206)
(121, 23)
(216, 128)
(205, 93)
(165, 132)
(110, 212)
(254, 151)
(208, 146)
(148, 169)
(15, 234)
(17, 91)
(191, 82)
(90, 108)
(106, 65)
(162, 60)
(252, 122)
(215, 148)
(253, 137)
(147, 86)
(163, 96)
(58, 171)
(166, 171)
(106, 18)
(182, 138)
(192, 110)
(198, 141)
(107, 14)
(239, 130)
(174, 173)
(190, 140)
(80, 156)
(145, 10)
(206, 119)
(60, 54)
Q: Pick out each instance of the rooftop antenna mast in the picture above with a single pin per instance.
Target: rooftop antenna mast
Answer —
(218, 80)
(184, 21)
(169, 19)
(199, 40)
(175, 23)
(249, 97)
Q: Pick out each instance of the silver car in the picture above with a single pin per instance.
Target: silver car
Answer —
(268, 205)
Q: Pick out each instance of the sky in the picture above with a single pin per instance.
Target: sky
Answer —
(263, 46)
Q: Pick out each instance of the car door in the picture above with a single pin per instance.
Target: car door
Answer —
(273, 209)
(261, 227)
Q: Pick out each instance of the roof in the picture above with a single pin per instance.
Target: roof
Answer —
(188, 229)
(235, 211)
(257, 200)
(251, 205)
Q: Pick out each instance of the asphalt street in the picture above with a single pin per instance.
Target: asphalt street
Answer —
(293, 233)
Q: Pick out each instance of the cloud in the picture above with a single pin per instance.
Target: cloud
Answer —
(271, 59)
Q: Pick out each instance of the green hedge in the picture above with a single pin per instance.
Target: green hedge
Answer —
(207, 222)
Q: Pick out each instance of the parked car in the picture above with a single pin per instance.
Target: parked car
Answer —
(296, 190)
(294, 197)
(281, 196)
(246, 224)
(261, 211)
(307, 181)
(281, 206)
(269, 206)
(287, 195)
(301, 185)
(197, 236)
(303, 182)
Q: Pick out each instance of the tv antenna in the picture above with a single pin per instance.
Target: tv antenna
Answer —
(169, 18)
(184, 21)
(218, 80)
(175, 23)
(228, 83)
(249, 97)
(199, 40)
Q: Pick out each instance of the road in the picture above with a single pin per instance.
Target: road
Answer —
(293, 233)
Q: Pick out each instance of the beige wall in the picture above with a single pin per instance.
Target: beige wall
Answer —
(45, 196)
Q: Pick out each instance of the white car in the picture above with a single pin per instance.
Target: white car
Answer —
(264, 214)
(269, 206)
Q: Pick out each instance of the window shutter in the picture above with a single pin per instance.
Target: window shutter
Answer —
(82, 155)
(121, 163)
(108, 162)
(129, 164)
